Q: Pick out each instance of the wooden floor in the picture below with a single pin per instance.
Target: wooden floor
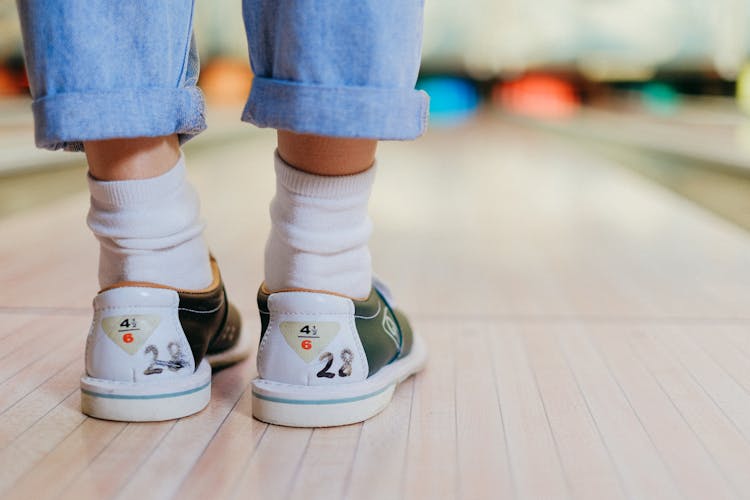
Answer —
(589, 337)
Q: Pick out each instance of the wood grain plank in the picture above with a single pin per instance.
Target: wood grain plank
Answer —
(381, 451)
(717, 342)
(16, 419)
(643, 472)
(723, 440)
(38, 339)
(589, 469)
(39, 371)
(222, 464)
(59, 468)
(483, 463)
(431, 461)
(534, 457)
(106, 473)
(11, 323)
(681, 449)
(274, 466)
(327, 463)
(161, 474)
(37, 441)
(721, 388)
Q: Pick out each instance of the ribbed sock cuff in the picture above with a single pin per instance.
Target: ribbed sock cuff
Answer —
(129, 193)
(322, 186)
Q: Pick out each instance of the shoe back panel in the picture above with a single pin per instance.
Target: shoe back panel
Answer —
(311, 339)
(136, 336)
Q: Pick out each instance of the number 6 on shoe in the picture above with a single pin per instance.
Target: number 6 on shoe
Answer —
(150, 350)
(328, 360)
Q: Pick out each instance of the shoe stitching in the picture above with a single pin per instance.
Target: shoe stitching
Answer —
(201, 312)
(183, 339)
(264, 340)
(360, 347)
(373, 316)
(285, 313)
(134, 307)
(400, 341)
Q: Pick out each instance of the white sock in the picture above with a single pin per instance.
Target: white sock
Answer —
(319, 232)
(150, 230)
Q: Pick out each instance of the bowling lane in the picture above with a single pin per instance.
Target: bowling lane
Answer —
(585, 321)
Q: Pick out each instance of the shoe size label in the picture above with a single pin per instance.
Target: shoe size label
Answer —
(309, 339)
(130, 332)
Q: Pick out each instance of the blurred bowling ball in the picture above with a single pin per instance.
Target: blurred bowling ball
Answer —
(226, 81)
(13, 78)
(660, 98)
(538, 96)
(453, 100)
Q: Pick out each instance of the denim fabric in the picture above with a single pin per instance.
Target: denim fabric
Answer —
(336, 67)
(102, 69)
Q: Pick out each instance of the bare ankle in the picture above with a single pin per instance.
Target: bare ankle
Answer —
(328, 156)
(136, 158)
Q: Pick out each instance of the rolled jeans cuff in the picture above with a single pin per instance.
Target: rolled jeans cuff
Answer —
(337, 111)
(64, 121)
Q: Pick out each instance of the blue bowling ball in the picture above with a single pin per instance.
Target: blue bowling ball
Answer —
(453, 100)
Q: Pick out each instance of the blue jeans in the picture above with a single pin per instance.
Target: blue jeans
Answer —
(101, 69)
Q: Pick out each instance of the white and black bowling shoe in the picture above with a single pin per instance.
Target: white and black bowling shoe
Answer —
(151, 347)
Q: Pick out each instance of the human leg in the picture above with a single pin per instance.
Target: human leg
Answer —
(131, 159)
(118, 79)
(145, 214)
(329, 156)
(333, 80)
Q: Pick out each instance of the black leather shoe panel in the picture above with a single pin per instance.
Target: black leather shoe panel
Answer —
(211, 324)
(229, 334)
(202, 316)
(265, 315)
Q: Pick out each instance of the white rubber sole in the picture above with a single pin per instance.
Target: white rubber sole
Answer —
(159, 400)
(147, 401)
(328, 406)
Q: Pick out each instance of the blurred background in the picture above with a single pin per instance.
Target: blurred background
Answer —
(663, 77)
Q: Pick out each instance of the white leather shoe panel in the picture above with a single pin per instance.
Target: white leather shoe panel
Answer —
(309, 303)
(311, 340)
(136, 296)
(136, 336)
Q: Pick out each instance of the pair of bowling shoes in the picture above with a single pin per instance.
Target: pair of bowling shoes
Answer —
(323, 359)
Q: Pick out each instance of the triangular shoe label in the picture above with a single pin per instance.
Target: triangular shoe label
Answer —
(309, 339)
(130, 332)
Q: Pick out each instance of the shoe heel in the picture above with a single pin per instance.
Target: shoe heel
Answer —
(139, 364)
(327, 406)
(333, 408)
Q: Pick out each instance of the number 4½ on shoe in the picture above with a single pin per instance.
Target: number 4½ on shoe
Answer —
(327, 360)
